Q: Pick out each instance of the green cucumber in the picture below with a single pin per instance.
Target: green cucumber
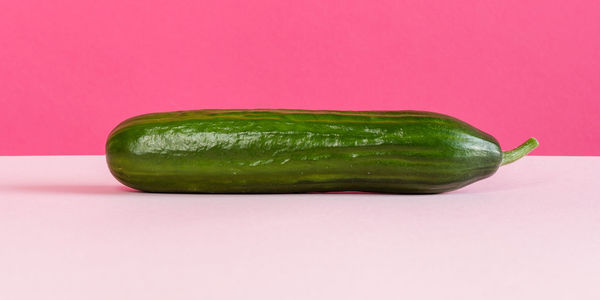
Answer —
(293, 151)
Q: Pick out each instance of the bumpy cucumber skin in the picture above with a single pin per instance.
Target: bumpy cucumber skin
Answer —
(294, 151)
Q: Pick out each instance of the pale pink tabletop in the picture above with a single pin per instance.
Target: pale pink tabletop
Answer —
(68, 230)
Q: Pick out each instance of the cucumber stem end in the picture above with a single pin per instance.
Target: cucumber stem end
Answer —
(522, 150)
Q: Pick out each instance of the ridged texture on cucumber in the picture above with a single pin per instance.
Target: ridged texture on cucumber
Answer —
(287, 151)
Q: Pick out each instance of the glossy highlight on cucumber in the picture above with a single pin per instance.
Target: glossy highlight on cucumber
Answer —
(296, 151)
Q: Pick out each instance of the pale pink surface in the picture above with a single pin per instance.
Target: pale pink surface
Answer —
(71, 70)
(68, 230)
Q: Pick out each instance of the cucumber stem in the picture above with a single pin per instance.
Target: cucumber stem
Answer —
(522, 150)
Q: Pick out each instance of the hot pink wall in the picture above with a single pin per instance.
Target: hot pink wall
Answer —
(71, 70)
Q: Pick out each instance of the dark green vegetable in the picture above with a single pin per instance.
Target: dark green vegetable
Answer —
(288, 151)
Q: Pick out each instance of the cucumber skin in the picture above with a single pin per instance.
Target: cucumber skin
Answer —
(295, 151)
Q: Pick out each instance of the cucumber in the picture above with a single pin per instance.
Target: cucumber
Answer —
(295, 151)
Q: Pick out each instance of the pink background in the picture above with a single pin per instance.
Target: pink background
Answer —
(71, 70)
